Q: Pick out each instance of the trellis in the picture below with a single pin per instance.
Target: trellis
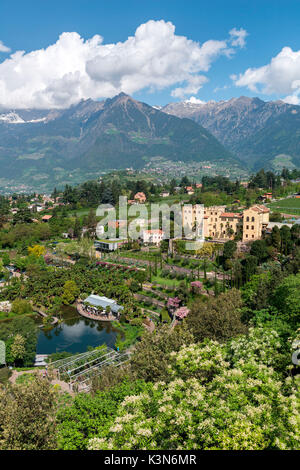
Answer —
(83, 381)
(82, 368)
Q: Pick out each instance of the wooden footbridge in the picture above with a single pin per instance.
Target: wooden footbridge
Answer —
(44, 315)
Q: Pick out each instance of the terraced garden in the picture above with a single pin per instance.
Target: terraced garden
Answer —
(287, 206)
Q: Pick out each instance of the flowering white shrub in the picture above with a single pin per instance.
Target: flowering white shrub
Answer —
(217, 407)
(261, 345)
(201, 360)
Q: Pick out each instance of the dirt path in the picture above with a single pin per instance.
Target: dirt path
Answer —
(63, 385)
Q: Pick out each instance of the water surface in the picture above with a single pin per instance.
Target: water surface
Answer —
(75, 334)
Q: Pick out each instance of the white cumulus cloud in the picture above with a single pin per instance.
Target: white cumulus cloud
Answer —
(238, 37)
(194, 83)
(281, 76)
(74, 68)
(4, 48)
(194, 100)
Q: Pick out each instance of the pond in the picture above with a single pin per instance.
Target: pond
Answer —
(75, 334)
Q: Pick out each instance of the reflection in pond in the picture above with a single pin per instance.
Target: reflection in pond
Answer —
(75, 334)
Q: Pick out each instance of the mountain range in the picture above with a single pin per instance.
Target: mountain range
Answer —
(91, 136)
(259, 133)
(39, 145)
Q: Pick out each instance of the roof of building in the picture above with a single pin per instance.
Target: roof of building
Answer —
(110, 240)
(140, 195)
(231, 214)
(154, 231)
(103, 302)
(47, 217)
(259, 208)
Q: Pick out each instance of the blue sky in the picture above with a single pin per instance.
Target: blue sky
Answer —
(271, 50)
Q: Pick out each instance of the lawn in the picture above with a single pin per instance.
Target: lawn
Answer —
(192, 264)
(25, 378)
(288, 206)
(80, 212)
(127, 335)
(165, 316)
(140, 255)
(165, 281)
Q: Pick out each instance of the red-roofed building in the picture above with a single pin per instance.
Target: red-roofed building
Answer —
(153, 236)
(189, 190)
(46, 218)
(266, 196)
(140, 197)
(231, 215)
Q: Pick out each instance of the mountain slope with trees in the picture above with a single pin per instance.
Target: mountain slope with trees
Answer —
(115, 133)
(259, 133)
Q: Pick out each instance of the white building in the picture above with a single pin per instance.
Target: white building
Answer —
(110, 244)
(153, 236)
(5, 306)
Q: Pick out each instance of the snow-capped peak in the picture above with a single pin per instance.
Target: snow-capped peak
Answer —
(11, 118)
(14, 118)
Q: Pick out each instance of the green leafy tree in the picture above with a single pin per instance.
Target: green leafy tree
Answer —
(6, 259)
(17, 349)
(218, 318)
(27, 413)
(25, 327)
(259, 249)
(70, 292)
(92, 414)
(249, 267)
(256, 292)
(286, 298)
(21, 306)
(286, 242)
(150, 358)
(229, 249)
